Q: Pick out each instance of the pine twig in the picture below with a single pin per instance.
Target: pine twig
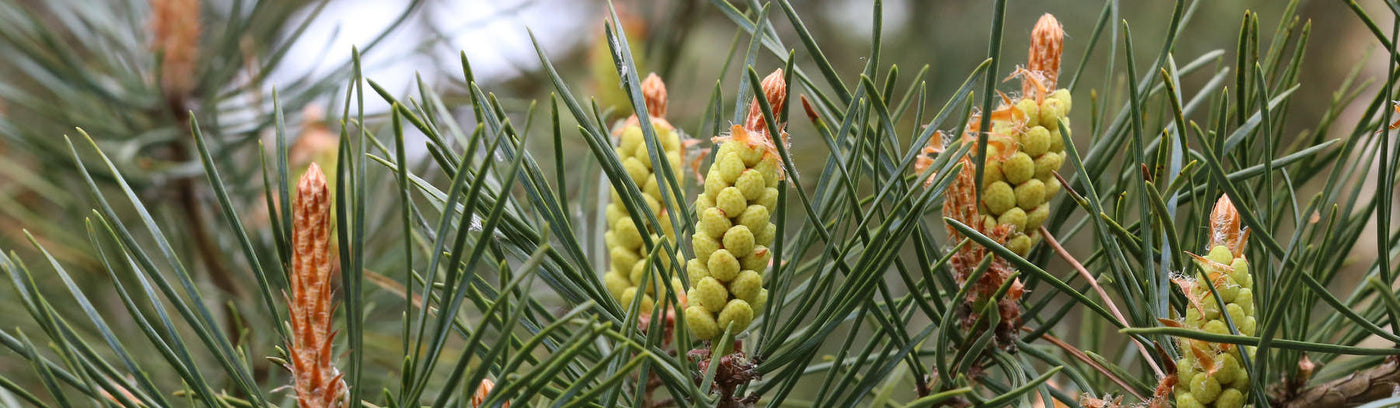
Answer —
(176, 29)
(1382, 381)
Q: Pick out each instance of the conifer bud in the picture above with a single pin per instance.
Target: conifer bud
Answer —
(775, 91)
(654, 91)
(318, 383)
(176, 28)
(1212, 374)
(1047, 41)
(630, 266)
(735, 231)
(482, 391)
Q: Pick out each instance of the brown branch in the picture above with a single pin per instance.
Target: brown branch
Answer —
(193, 210)
(1382, 381)
(203, 240)
(187, 196)
(176, 28)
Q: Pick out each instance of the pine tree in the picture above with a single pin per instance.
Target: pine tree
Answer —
(1162, 237)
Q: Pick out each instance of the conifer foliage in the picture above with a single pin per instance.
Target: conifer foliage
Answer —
(1103, 224)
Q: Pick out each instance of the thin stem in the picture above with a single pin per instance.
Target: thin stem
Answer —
(1079, 355)
(1113, 308)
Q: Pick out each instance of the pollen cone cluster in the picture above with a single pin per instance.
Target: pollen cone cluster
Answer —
(318, 383)
(1211, 374)
(734, 231)
(1024, 150)
(629, 259)
(1024, 146)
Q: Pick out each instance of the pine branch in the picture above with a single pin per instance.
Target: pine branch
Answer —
(1371, 384)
